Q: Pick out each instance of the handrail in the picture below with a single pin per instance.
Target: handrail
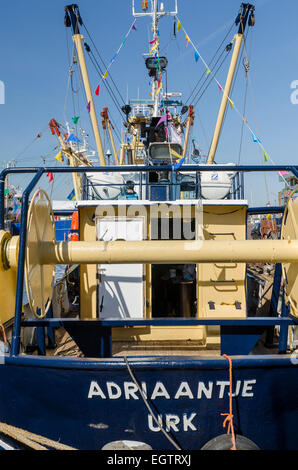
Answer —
(39, 171)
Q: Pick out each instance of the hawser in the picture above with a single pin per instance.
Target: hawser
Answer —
(162, 348)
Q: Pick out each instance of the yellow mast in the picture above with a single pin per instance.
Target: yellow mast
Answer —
(73, 19)
(106, 123)
(238, 39)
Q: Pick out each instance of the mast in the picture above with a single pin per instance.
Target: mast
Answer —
(155, 14)
(106, 123)
(246, 9)
(73, 19)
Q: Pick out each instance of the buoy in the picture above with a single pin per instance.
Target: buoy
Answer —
(74, 228)
(224, 442)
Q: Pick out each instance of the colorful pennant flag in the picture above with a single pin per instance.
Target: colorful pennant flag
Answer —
(134, 28)
(197, 55)
(179, 164)
(72, 138)
(255, 139)
(72, 196)
(97, 91)
(18, 213)
(283, 173)
(88, 106)
(162, 119)
(50, 176)
(153, 48)
(6, 192)
(59, 157)
(157, 91)
(231, 103)
(175, 154)
(15, 206)
(153, 42)
(75, 119)
(105, 75)
(208, 71)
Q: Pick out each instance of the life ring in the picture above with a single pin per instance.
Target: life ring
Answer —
(224, 442)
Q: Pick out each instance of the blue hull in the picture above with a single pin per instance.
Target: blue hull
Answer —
(89, 403)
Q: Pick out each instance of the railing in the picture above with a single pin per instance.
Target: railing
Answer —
(39, 172)
(191, 186)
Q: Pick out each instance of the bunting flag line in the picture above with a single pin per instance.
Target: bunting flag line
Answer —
(159, 81)
(177, 155)
(119, 48)
(157, 91)
(174, 153)
(153, 48)
(232, 104)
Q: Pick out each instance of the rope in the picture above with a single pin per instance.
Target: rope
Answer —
(229, 416)
(34, 441)
(167, 435)
(3, 333)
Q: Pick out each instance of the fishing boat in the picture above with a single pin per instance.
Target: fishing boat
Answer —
(169, 352)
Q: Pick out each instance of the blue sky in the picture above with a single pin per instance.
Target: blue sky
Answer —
(34, 68)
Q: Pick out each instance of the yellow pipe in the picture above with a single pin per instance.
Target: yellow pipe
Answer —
(77, 38)
(168, 252)
(238, 41)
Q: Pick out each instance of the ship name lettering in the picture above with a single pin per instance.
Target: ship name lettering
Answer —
(202, 390)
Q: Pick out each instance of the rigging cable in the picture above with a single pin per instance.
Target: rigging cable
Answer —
(210, 79)
(257, 126)
(94, 45)
(211, 61)
(109, 89)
